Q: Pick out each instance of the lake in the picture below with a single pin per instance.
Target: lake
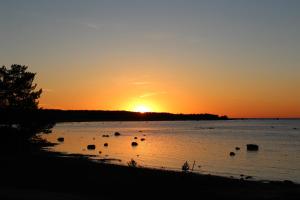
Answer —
(205, 145)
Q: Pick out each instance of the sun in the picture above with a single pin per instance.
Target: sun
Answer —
(142, 109)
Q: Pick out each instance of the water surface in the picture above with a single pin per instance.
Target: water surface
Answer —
(168, 144)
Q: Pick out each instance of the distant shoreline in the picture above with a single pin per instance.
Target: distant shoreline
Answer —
(98, 115)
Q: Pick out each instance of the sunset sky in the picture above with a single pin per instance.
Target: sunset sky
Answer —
(239, 58)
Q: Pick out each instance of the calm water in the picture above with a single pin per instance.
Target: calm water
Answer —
(169, 144)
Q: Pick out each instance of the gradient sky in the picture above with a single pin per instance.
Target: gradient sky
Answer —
(239, 58)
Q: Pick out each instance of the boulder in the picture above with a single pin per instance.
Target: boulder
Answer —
(91, 147)
(252, 147)
(134, 144)
(60, 139)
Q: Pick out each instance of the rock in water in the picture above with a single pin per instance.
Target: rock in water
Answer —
(134, 144)
(252, 147)
(91, 147)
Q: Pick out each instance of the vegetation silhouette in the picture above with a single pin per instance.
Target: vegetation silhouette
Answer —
(18, 102)
(99, 115)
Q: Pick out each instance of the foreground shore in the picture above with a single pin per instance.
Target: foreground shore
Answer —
(44, 175)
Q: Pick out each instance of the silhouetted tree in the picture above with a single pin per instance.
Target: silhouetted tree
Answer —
(20, 117)
(17, 90)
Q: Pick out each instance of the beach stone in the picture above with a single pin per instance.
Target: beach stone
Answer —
(252, 147)
(106, 144)
(60, 139)
(232, 154)
(134, 144)
(117, 134)
(237, 148)
(91, 147)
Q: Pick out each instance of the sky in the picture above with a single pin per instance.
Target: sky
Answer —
(229, 57)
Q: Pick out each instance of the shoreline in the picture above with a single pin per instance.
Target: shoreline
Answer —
(62, 176)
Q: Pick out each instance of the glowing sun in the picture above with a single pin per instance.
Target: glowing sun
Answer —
(142, 109)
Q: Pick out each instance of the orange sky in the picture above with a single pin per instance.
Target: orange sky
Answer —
(235, 58)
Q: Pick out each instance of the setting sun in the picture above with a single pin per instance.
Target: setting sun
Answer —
(142, 109)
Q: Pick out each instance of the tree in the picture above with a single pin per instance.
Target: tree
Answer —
(20, 117)
(17, 90)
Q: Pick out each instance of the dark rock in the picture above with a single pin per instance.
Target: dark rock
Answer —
(237, 148)
(91, 147)
(143, 139)
(106, 144)
(134, 144)
(135, 138)
(232, 154)
(248, 177)
(105, 135)
(60, 139)
(117, 134)
(252, 147)
(288, 182)
(100, 152)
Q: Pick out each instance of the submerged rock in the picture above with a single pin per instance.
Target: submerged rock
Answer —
(252, 147)
(232, 154)
(91, 147)
(60, 139)
(117, 134)
(134, 144)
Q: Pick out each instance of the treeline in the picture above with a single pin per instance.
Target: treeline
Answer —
(16, 116)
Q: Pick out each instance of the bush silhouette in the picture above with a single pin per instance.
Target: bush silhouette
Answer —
(185, 167)
(132, 163)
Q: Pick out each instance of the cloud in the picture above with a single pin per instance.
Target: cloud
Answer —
(141, 83)
(92, 26)
(150, 94)
(47, 90)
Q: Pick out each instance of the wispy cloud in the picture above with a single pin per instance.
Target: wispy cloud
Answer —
(141, 83)
(93, 26)
(150, 94)
(47, 90)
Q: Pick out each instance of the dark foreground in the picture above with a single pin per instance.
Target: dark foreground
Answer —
(49, 176)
